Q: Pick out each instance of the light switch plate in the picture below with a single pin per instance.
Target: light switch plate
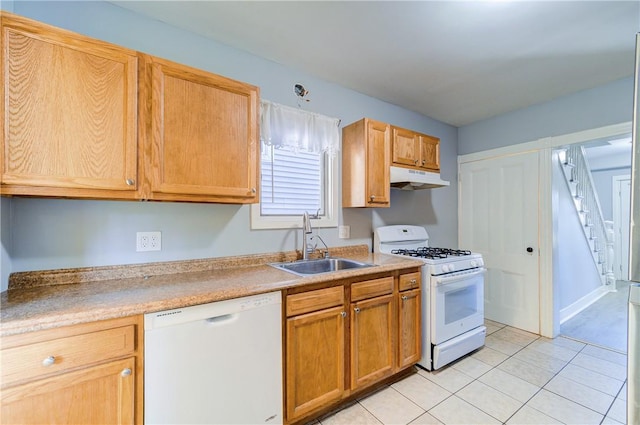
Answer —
(344, 232)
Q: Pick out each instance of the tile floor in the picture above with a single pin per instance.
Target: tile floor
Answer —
(516, 378)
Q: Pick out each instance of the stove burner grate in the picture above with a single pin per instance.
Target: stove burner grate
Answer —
(432, 253)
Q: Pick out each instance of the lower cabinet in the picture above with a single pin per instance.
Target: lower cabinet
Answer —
(343, 339)
(99, 394)
(409, 320)
(372, 332)
(88, 373)
(409, 328)
(314, 355)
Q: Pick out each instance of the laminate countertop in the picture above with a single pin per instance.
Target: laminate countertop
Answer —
(52, 298)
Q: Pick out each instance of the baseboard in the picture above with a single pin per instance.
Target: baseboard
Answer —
(571, 310)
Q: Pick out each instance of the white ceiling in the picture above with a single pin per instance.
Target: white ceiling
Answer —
(455, 61)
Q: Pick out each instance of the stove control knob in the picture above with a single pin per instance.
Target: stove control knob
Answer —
(445, 268)
(473, 263)
(452, 267)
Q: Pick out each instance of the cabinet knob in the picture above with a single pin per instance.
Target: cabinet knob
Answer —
(404, 298)
(357, 310)
(49, 361)
(130, 182)
(416, 162)
(412, 282)
(372, 197)
(125, 372)
(343, 314)
(424, 162)
(253, 190)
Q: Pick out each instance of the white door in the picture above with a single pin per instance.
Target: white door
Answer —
(621, 222)
(499, 219)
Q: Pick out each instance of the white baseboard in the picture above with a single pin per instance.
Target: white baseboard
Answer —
(571, 310)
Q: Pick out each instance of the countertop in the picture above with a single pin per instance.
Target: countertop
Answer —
(52, 298)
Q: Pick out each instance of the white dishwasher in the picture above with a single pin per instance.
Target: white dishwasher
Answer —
(218, 363)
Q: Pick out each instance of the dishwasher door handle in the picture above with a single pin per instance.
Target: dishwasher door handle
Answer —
(219, 320)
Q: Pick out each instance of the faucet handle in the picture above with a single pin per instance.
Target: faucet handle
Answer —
(315, 216)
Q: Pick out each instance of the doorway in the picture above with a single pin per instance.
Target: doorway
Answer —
(604, 321)
(549, 314)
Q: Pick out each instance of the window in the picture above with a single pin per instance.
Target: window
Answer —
(298, 168)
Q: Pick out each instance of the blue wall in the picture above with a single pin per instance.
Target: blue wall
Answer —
(41, 234)
(601, 106)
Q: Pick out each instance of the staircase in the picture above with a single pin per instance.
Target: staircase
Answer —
(598, 233)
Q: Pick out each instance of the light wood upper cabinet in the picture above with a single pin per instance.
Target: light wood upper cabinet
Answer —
(89, 373)
(366, 158)
(415, 150)
(69, 116)
(405, 147)
(202, 137)
(429, 152)
(87, 119)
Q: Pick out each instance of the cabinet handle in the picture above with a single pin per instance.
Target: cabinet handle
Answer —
(125, 372)
(404, 298)
(357, 309)
(130, 182)
(372, 197)
(343, 314)
(416, 162)
(424, 162)
(253, 190)
(412, 282)
(49, 361)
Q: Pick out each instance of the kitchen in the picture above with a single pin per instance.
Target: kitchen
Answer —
(76, 233)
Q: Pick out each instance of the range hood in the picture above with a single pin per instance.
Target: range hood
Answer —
(408, 179)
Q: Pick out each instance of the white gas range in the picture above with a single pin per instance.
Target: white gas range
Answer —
(452, 293)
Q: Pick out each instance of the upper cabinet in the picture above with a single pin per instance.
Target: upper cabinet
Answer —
(366, 158)
(415, 150)
(69, 113)
(201, 135)
(87, 119)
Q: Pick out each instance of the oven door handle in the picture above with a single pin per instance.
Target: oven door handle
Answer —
(457, 276)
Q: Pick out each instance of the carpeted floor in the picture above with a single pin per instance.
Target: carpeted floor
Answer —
(604, 322)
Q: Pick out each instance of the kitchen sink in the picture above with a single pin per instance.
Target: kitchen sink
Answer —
(323, 265)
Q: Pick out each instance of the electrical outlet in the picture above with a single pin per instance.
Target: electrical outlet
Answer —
(344, 232)
(148, 241)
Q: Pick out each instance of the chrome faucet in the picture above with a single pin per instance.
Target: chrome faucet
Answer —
(306, 230)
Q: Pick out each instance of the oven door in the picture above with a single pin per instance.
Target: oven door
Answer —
(457, 304)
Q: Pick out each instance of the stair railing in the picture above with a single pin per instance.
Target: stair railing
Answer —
(578, 174)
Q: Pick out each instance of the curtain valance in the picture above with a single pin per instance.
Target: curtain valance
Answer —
(298, 130)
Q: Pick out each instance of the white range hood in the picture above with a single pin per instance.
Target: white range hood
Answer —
(408, 179)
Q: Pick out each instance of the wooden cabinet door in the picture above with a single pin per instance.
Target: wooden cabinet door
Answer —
(430, 153)
(69, 115)
(409, 328)
(405, 147)
(372, 340)
(102, 394)
(378, 163)
(315, 361)
(204, 135)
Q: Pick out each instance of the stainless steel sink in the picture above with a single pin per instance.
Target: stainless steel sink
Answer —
(324, 265)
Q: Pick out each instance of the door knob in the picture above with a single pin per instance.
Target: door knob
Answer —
(529, 249)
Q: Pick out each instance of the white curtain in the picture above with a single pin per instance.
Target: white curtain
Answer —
(298, 130)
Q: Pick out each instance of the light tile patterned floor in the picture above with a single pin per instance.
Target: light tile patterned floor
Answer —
(517, 378)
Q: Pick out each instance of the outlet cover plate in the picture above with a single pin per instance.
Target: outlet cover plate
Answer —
(148, 241)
